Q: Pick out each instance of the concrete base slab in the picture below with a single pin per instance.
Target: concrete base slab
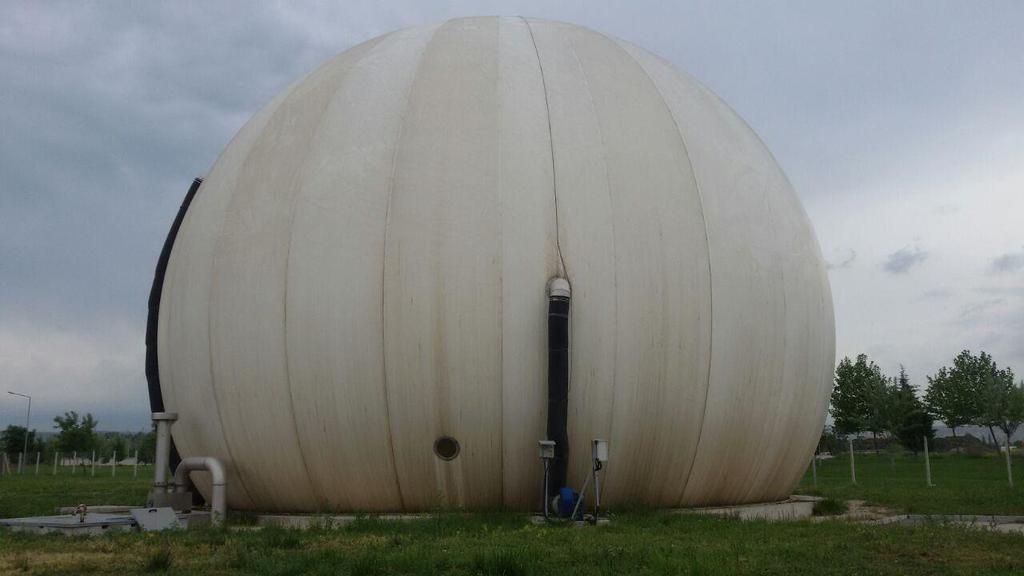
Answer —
(1000, 523)
(304, 521)
(155, 519)
(92, 524)
(795, 508)
(102, 509)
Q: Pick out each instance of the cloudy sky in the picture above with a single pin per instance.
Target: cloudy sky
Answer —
(900, 124)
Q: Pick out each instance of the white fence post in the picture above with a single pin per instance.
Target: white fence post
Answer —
(56, 455)
(21, 461)
(74, 461)
(814, 467)
(92, 463)
(853, 468)
(113, 464)
(135, 474)
(38, 456)
(927, 464)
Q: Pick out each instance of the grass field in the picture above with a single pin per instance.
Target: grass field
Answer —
(30, 495)
(962, 484)
(503, 543)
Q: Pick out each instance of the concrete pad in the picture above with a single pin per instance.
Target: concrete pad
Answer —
(305, 521)
(155, 519)
(92, 524)
(795, 508)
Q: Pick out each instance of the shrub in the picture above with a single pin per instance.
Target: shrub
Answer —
(829, 507)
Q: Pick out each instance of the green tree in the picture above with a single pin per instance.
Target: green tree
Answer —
(858, 402)
(908, 420)
(1010, 412)
(1000, 403)
(76, 433)
(953, 394)
(12, 440)
(848, 398)
(880, 406)
(830, 442)
(117, 446)
(146, 445)
(993, 387)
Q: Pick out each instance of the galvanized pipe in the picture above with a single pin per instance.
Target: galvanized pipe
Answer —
(163, 447)
(218, 505)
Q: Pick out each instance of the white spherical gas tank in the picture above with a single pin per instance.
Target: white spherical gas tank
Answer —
(353, 315)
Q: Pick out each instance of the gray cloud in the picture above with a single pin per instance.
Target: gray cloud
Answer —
(972, 312)
(108, 109)
(935, 294)
(902, 260)
(946, 209)
(1009, 262)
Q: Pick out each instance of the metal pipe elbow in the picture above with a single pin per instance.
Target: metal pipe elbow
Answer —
(208, 463)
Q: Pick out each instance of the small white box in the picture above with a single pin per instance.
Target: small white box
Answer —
(600, 450)
(547, 449)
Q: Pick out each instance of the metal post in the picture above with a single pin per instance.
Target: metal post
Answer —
(853, 468)
(814, 466)
(135, 473)
(1009, 470)
(544, 494)
(576, 508)
(113, 464)
(38, 456)
(21, 461)
(163, 447)
(56, 455)
(927, 464)
(28, 417)
(92, 463)
(74, 461)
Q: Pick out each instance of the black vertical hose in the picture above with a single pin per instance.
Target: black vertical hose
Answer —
(558, 382)
(156, 397)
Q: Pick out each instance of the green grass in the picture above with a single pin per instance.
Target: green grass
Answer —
(30, 495)
(962, 484)
(506, 543)
(636, 543)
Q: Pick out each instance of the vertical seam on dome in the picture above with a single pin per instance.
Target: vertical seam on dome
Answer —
(280, 100)
(501, 278)
(209, 299)
(767, 485)
(551, 145)
(209, 347)
(293, 209)
(615, 260)
(764, 147)
(707, 243)
(384, 264)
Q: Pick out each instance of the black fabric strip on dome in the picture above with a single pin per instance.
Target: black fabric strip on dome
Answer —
(156, 397)
(558, 389)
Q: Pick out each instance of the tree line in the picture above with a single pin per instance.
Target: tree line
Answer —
(77, 433)
(973, 391)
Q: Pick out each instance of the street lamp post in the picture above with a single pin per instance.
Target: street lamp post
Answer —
(28, 416)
